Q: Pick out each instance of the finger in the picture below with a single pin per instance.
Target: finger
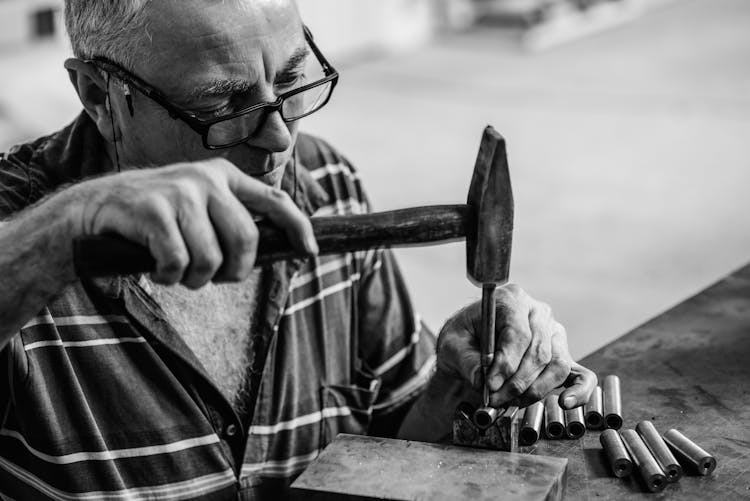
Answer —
(553, 376)
(237, 235)
(580, 383)
(278, 206)
(513, 336)
(534, 361)
(458, 354)
(202, 244)
(165, 243)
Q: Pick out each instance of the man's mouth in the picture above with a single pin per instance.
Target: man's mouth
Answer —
(272, 177)
(267, 168)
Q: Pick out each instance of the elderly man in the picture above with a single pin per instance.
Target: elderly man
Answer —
(211, 378)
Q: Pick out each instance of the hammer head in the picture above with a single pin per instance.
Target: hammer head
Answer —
(489, 241)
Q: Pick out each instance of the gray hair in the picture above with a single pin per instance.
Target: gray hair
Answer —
(114, 29)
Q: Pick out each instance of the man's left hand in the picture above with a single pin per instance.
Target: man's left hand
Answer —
(531, 353)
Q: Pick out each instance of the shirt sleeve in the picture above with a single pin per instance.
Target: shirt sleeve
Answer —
(15, 183)
(22, 183)
(395, 345)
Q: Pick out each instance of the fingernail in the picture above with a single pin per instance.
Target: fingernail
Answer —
(569, 402)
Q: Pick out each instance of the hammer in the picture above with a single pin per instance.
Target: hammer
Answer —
(486, 221)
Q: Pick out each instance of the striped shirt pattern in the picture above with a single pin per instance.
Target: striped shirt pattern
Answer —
(103, 399)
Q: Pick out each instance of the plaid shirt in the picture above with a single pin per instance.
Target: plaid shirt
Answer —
(104, 400)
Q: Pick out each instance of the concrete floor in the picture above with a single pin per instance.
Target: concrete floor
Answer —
(629, 151)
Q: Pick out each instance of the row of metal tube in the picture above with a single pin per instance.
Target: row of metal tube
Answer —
(603, 410)
(655, 456)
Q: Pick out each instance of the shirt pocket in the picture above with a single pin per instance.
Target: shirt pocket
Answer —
(347, 409)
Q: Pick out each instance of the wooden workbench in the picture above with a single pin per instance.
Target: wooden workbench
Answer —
(689, 369)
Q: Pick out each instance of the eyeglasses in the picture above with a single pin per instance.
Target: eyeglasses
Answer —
(237, 127)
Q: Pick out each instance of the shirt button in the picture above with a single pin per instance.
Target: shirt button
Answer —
(231, 430)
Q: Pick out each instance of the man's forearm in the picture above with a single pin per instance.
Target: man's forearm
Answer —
(35, 260)
(431, 417)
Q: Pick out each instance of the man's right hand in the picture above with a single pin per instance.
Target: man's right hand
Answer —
(195, 218)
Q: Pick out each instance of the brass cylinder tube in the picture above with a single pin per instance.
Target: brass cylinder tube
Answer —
(484, 417)
(592, 411)
(574, 425)
(617, 455)
(611, 402)
(691, 455)
(647, 466)
(531, 426)
(554, 419)
(669, 465)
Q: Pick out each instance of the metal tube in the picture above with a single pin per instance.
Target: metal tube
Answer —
(487, 338)
(531, 426)
(649, 469)
(554, 420)
(659, 450)
(691, 455)
(574, 426)
(617, 455)
(484, 417)
(611, 402)
(592, 411)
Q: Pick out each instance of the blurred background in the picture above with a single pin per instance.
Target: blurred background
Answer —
(627, 122)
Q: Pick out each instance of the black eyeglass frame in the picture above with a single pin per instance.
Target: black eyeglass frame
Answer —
(201, 125)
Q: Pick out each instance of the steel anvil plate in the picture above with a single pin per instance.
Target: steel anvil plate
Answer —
(354, 467)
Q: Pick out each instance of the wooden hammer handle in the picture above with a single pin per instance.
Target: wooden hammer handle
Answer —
(110, 255)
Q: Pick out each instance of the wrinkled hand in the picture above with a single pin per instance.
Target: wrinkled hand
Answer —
(531, 353)
(195, 218)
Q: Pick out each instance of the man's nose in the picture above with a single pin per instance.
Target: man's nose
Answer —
(274, 134)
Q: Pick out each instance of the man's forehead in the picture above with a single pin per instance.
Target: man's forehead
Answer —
(225, 35)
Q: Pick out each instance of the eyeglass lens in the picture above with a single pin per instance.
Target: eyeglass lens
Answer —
(244, 126)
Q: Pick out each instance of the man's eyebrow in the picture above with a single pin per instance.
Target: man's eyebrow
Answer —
(227, 87)
(219, 88)
(296, 60)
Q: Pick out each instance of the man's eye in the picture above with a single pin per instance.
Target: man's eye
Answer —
(292, 81)
(215, 113)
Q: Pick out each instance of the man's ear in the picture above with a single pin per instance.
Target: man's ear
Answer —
(91, 87)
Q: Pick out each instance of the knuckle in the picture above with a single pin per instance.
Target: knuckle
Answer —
(235, 274)
(278, 196)
(245, 246)
(186, 190)
(505, 368)
(516, 387)
(561, 368)
(219, 162)
(534, 393)
(207, 263)
(541, 353)
(517, 337)
(156, 207)
(192, 170)
(175, 260)
(543, 309)
(203, 173)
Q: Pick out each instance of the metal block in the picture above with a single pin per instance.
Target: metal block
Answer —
(362, 468)
(499, 435)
